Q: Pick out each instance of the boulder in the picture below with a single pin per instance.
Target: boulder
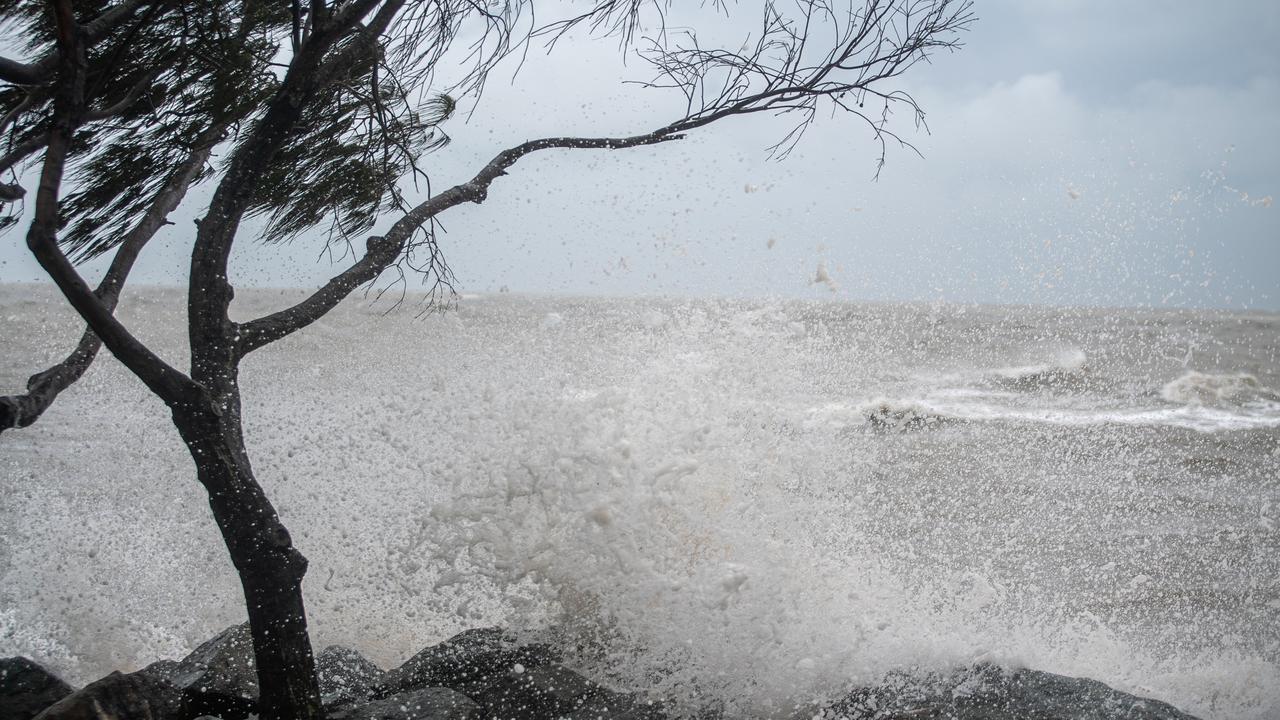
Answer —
(163, 670)
(217, 678)
(549, 692)
(465, 662)
(345, 676)
(26, 688)
(639, 712)
(988, 692)
(136, 696)
(435, 703)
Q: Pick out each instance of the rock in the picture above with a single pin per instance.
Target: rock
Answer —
(163, 670)
(345, 676)
(217, 678)
(549, 692)
(136, 696)
(26, 688)
(434, 703)
(640, 712)
(465, 662)
(987, 692)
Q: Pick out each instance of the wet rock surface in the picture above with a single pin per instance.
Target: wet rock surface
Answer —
(467, 662)
(549, 691)
(988, 692)
(26, 688)
(136, 696)
(485, 674)
(345, 676)
(434, 703)
(218, 678)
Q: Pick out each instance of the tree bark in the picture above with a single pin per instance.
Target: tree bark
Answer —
(45, 386)
(270, 567)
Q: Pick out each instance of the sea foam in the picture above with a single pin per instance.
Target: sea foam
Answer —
(679, 493)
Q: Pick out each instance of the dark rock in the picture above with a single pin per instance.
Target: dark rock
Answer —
(639, 712)
(435, 703)
(26, 688)
(163, 670)
(345, 676)
(549, 692)
(136, 696)
(219, 677)
(465, 662)
(987, 692)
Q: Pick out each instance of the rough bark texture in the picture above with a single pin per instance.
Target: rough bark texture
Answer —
(270, 568)
(206, 412)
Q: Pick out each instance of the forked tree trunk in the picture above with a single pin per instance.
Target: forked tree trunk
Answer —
(270, 568)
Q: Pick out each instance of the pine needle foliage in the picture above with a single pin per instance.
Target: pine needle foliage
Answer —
(181, 69)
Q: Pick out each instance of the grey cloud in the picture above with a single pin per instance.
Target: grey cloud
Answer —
(1079, 152)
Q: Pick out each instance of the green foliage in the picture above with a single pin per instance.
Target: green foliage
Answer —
(348, 153)
(202, 68)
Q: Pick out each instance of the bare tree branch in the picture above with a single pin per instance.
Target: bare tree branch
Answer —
(42, 70)
(166, 382)
(31, 145)
(210, 293)
(135, 93)
(16, 112)
(341, 112)
(780, 72)
(774, 74)
(382, 251)
(45, 386)
(22, 151)
(319, 16)
(12, 71)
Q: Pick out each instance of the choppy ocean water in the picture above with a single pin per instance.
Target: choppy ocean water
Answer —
(747, 502)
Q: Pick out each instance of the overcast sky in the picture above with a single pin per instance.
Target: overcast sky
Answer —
(1079, 152)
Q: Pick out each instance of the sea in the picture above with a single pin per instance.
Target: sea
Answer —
(742, 504)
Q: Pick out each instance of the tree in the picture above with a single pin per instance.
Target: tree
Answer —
(322, 109)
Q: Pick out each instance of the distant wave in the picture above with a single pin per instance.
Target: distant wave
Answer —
(904, 415)
(1218, 390)
(1258, 409)
(1068, 370)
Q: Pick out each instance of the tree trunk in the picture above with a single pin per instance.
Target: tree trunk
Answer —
(270, 568)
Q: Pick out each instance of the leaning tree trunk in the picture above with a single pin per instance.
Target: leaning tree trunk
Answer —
(270, 568)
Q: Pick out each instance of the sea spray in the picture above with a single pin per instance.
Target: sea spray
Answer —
(1218, 389)
(687, 495)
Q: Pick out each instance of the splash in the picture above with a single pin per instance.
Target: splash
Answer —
(1218, 390)
(683, 496)
(1067, 370)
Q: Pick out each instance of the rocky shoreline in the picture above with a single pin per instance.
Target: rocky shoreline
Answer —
(485, 674)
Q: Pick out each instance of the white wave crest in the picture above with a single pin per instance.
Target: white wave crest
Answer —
(904, 415)
(1066, 369)
(1217, 389)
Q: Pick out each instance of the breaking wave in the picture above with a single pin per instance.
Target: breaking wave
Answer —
(1218, 390)
(904, 415)
(1068, 371)
(687, 492)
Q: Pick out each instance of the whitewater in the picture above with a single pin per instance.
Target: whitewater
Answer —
(745, 504)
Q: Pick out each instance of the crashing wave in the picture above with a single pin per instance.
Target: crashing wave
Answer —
(895, 415)
(1217, 389)
(1068, 370)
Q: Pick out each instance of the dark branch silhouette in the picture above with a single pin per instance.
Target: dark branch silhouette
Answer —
(45, 386)
(382, 251)
(325, 139)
